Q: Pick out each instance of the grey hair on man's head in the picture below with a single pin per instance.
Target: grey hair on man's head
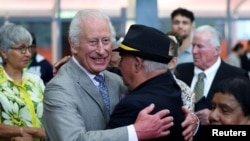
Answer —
(152, 66)
(215, 39)
(74, 29)
(11, 34)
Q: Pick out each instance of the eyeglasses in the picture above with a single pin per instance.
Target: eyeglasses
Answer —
(23, 48)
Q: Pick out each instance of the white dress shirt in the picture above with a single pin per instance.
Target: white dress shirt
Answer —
(210, 73)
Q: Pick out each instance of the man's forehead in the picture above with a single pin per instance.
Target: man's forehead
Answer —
(181, 17)
(96, 35)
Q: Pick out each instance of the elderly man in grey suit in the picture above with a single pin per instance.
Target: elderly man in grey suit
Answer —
(73, 106)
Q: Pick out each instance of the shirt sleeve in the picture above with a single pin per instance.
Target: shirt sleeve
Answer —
(131, 133)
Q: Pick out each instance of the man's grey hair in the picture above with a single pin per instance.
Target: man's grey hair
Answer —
(74, 29)
(151, 66)
(215, 34)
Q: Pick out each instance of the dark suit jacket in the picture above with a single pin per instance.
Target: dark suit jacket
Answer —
(163, 92)
(42, 67)
(245, 62)
(185, 72)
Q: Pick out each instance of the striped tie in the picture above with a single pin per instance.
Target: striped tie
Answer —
(103, 90)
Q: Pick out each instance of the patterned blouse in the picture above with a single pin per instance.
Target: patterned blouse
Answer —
(21, 104)
(187, 95)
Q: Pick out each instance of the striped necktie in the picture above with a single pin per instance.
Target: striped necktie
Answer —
(103, 90)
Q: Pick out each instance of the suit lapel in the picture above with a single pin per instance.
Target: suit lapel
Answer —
(87, 87)
(220, 74)
(189, 74)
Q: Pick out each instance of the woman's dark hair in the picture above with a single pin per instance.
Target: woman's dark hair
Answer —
(239, 87)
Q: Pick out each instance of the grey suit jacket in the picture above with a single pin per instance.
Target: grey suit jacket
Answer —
(74, 109)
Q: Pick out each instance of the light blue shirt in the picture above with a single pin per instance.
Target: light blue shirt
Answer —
(210, 74)
(185, 56)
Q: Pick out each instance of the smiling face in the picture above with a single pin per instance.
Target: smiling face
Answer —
(226, 110)
(95, 48)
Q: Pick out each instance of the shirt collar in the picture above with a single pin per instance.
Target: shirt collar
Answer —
(90, 75)
(210, 70)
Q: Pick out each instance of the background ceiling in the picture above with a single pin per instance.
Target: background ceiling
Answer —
(201, 8)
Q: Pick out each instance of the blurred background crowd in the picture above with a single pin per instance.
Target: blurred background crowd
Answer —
(50, 19)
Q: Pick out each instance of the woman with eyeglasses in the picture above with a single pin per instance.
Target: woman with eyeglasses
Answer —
(21, 93)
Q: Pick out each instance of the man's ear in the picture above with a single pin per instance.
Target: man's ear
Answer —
(218, 50)
(72, 45)
(138, 63)
(193, 25)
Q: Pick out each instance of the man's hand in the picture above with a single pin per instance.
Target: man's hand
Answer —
(190, 124)
(59, 63)
(203, 116)
(152, 126)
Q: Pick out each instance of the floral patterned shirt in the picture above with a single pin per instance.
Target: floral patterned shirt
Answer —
(21, 104)
(187, 95)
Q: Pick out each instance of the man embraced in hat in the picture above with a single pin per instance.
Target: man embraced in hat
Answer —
(144, 57)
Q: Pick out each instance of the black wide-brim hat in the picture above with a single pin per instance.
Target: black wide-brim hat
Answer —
(146, 42)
